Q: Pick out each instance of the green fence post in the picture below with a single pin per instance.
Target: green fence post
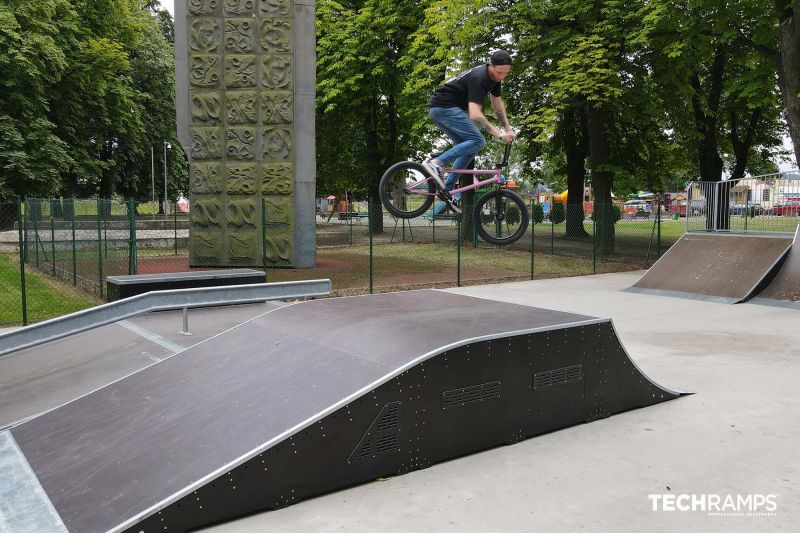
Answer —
(99, 246)
(533, 238)
(74, 249)
(35, 210)
(52, 239)
(658, 220)
(350, 221)
(458, 250)
(264, 235)
(595, 214)
(133, 266)
(552, 232)
(175, 219)
(369, 227)
(20, 222)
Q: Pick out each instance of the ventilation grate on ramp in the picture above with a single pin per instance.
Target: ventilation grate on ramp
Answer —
(558, 376)
(470, 395)
(383, 435)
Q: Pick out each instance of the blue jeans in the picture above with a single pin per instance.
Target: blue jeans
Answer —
(456, 124)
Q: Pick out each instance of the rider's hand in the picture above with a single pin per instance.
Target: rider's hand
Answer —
(507, 136)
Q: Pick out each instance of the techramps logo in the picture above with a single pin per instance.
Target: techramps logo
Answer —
(716, 504)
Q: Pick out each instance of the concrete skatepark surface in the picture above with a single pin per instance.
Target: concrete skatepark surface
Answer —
(737, 435)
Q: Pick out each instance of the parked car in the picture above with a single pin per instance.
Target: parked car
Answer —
(786, 209)
(746, 209)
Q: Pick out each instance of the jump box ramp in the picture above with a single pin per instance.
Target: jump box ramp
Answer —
(714, 266)
(307, 399)
(783, 290)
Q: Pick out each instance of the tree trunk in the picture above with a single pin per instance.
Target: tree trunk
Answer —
(574, 124)
(602, 178)
(789, 68)
(741, 147)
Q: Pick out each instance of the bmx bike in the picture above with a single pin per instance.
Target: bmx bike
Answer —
(500, 215)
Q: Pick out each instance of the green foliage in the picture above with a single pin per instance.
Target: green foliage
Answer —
(557, 213)
(85, 88)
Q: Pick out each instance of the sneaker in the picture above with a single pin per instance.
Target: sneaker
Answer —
(436, 171)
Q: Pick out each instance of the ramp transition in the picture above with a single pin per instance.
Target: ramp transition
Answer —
(714, 266)
(783, 290)
(311, 398)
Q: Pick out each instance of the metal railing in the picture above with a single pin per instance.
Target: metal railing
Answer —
(767, 203)
(101, 315)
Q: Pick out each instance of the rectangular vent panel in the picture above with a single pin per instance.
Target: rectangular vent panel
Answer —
(471, 395)
(567, 374)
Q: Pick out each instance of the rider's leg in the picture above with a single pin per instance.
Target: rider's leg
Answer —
(457, 125)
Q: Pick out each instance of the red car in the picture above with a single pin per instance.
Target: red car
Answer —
(787, 209)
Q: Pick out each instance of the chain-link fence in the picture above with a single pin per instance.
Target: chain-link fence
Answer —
(70, 246)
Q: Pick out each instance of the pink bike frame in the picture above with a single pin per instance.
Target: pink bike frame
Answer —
(475, 181)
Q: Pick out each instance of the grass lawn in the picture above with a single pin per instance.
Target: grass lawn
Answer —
(47, 298)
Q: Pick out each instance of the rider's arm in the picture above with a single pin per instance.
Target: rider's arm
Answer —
(500, 112)
(480, 120)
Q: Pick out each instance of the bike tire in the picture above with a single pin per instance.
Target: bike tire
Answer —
(507, 198)
(397, 202)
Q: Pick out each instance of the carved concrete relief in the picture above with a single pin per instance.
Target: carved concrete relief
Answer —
(241, 107)
(239, 7)
(206, 36)
(276, 71)
(205, 178)
(276, 143)
(243, 246)
(240, 178)
(275, 8)
(279, 210)
(241, 112)
(206, 107)
(240, 71)
(207, 143)
(203, 7)
(241, 144)
(242, 214)
(206, 245)
(276, 34)
(207, 213)
(240, 35)
(276, 178)
(205, 71)
(278, 246)
(276, 107)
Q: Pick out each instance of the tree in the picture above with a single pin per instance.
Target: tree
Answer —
(32, 156)
(788, 61)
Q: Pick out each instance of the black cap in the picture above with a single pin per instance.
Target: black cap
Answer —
(500, 57)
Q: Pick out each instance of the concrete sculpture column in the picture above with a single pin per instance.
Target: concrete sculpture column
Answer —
(246, 82)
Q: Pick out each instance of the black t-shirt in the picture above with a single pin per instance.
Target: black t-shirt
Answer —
(469, 86)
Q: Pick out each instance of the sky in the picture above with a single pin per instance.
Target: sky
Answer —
(169, 5)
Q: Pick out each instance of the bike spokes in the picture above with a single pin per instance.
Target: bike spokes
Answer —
(501, 217)
(405, 190)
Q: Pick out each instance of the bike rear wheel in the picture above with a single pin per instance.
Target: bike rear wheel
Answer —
(405, 190)
(501, 217)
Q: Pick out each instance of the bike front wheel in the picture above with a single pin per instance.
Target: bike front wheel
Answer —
(405, 190)
(501, 217)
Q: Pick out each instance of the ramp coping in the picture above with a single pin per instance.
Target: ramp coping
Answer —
(56, 328)
(24, 505)
(354, 396)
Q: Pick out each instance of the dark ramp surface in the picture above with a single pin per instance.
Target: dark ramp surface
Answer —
(122, 451)
(784, 289)
(311, 398)
(714, 266)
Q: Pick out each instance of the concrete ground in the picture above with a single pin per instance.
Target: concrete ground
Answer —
(738, 435)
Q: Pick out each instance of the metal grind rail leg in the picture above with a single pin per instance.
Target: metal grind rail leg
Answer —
(101, 315)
